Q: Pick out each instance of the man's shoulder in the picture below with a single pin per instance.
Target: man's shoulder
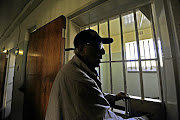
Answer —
(69, 66)
(73, 70)
(67, 71)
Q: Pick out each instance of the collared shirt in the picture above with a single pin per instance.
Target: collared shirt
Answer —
(76, 95)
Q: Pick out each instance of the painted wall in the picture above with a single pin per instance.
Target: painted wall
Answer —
(174, 26)
(168, 78)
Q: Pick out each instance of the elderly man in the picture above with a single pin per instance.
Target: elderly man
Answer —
(76, 93)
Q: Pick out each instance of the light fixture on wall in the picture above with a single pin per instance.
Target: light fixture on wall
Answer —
(16, 51)
(4, 50)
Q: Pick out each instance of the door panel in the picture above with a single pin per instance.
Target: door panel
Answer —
(45, 57)
(3, 63)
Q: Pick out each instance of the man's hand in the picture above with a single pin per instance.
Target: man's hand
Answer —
(121, 96)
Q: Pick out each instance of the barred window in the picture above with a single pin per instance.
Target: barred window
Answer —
(147, 54)
(131, 61)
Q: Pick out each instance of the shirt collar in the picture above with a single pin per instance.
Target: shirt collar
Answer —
(83, 66)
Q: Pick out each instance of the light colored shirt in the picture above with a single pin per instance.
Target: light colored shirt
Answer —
(76, 95)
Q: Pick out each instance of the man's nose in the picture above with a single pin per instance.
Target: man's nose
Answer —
(102, 51)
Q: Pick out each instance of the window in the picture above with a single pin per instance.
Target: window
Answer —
(147, 52)
(131, 61)
(129, 19)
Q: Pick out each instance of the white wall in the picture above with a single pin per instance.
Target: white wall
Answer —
(174, 26)
(169, 87)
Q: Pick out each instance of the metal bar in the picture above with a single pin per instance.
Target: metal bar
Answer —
(158, 60)
(99, 73)
(123, 55)
(99, 66)
(158, 67)
(139, 57)
(110, 65)
(144, 55)
(98, 28)
(123, 58)
(129, 60)
(69, 49)
(150, 54)
(134, 53)
(130, 54)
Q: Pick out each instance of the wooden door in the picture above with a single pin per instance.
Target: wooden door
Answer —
(44, 59)
(3, 64)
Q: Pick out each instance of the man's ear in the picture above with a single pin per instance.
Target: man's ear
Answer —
(80, 48)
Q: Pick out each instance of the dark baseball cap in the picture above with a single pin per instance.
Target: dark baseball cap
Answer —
(90, 37)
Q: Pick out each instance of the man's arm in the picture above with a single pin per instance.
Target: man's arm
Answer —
(111, 98)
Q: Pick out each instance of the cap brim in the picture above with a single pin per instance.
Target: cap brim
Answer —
(106, 40)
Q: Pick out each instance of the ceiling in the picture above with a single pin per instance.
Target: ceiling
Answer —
(112, 9)
(107, 10)
(10, 14)
(9, 10)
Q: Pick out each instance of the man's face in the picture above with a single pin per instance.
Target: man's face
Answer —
(92, 54)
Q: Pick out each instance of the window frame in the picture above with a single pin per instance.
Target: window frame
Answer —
(123, 61)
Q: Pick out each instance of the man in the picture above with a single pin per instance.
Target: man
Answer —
(76, 93)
